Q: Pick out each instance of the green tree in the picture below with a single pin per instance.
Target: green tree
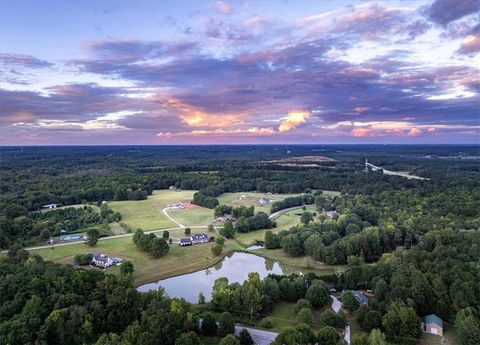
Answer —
(305, 315)
(359, 339)
(165, 235)
(209, 324)
(376, 337)
(245, 338)
(126, 267)
(158, 247)
(306, 217)
(373, 319)
(220, 240)
(252, 294)
(327, 336)
(201, 298)
(216, 249)
(228, 230)
(401, 322)
(330, 318)
(467, 326)
(349, 301)
(92, 237)
(271, 240)
(45, 234)
(189, 338)
(272, 289)
(318, 294)
(187, 231)
(229, 340)
(287, 290)
(291, 245)
(302, 303)
(225, 324)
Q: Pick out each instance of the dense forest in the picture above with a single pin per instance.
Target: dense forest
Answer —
(414, 243)
(34, 176)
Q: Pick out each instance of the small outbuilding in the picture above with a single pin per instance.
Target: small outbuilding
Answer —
(264, 201)
(433, 324)
(50, 206)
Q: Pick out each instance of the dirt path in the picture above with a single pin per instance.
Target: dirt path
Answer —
(171, 218)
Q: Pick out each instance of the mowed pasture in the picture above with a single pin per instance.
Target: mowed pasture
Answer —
(148, 214)
(179, 260)
(192, 215)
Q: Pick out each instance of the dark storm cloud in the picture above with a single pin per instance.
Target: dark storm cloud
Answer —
(445, 11)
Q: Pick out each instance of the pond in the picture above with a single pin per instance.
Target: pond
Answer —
(235, 267)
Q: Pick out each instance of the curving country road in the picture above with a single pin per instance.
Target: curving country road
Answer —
(107, 238)
(285, 210)
(171, 218)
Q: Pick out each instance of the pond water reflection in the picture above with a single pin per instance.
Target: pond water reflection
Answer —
(235, 267)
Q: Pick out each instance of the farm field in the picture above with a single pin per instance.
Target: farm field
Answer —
(147, 214)
(284, 222)
(179, 260)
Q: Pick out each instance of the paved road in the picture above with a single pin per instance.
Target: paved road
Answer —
(396, 173)
(169, 217)
(285, 210)
(336, 306)
(347, 334)
(260, 337)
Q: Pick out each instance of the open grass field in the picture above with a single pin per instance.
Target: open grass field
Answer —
(192, 215)
(147, 214)
(179, 260)
(284, 222)
(251, 198)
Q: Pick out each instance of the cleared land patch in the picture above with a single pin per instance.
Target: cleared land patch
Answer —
(252, 199)
(147, 214)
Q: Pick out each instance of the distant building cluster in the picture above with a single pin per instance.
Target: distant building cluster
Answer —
(264, 201)
(225, 218)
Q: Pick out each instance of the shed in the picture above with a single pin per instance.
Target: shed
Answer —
(433, 324)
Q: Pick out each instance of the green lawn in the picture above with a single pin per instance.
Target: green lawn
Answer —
(179, 260)
(192, 215)
(283, 316)
(147, 214)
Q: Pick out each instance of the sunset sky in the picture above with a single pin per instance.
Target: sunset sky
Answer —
(239, 72)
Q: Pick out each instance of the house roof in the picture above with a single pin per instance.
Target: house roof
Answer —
(199, 236)
(432, 318)
(360, 297)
